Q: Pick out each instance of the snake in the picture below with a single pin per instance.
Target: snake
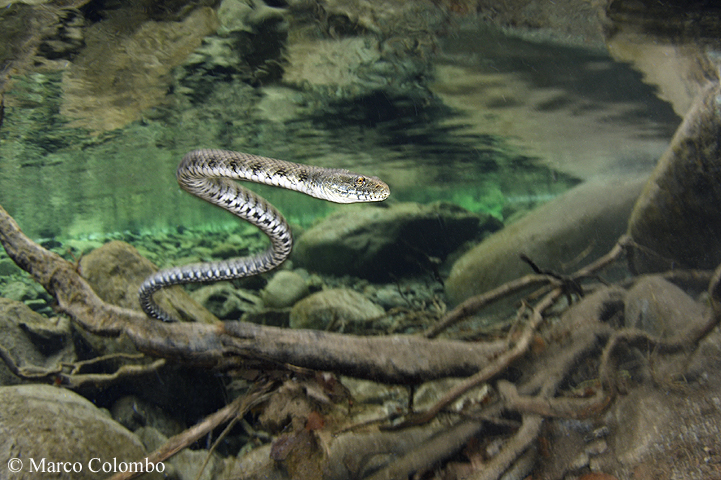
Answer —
(212, 175)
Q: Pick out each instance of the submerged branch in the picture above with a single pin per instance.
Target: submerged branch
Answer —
(393, 359)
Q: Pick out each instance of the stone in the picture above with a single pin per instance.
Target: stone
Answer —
(347, 309)
(284, 289)
(225, 301)
(111, 82)
(390, 297)
(227, 250)
(653, 39)
(378, 243)
(41, 422)
(188, 463)
(18, 291)
(583, 223)
(354, 62)
(32, 340)
(133, 413)
(116, 270)
(662, 309)
(8, 267)
(677, 219)
(643, 419)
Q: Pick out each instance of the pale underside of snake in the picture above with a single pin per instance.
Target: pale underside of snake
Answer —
(210, 175)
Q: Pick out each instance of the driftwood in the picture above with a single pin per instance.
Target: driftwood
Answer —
(418, 440)
(394, 359)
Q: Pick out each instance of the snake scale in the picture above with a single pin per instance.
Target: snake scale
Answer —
(210, 175)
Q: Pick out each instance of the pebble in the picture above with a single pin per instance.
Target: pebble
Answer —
(347, 309)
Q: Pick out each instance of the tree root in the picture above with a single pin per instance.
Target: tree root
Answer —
(399, 359)
(421, 439)
(175, 444)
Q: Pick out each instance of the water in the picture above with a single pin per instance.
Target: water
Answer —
(103, 99)
(504, 118)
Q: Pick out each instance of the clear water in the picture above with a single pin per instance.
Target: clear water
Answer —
(497, 122)
(505, 124)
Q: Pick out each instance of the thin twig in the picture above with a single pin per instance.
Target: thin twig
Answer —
(182, 440)
(497, 366)
(474, 304)
(478, 302)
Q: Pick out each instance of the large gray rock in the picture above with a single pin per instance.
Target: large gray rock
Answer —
(662, 309)
(40, 422)
(650, 426)
(585, 222)
(677, 218)
(376, 243)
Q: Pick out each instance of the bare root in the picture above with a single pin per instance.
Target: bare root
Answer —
(385, 448)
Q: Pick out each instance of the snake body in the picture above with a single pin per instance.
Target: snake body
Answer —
(209, 174)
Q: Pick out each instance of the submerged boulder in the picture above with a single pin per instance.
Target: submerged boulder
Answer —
(378, 243)
(581, 225)
(284, 289)
(662, 309)
(50, 425)
(677, 219)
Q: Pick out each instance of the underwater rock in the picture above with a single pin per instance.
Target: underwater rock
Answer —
(228, 250)
(18, 291)
(389, 297)
(126, 63)
(643, 419)
(113, 270)
(67, 40)
(579, 226)
(116, 270)
(8, 267)
(249, 45)
(284, 289)
(225, 301)
(660, 308)
(651, 426)
(344, 65)
(358, 48)
(32, 340)
(52, 424)
(347, 309)
(677, 219)
(674, 55)
(187, 463)
(133, 413)
(602, 305)
(572, 22)
(377, 243)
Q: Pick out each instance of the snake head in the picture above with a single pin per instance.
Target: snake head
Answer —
(343, 186)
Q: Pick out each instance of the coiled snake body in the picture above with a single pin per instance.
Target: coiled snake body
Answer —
(207, 174)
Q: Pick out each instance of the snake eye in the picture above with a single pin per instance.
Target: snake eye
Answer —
(360, 181)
